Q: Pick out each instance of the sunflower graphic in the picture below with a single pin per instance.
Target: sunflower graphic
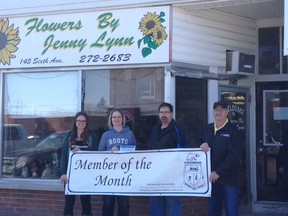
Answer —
(9, 39)
(153, 31)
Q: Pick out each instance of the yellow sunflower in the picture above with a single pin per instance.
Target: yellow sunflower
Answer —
(149, 22)
(9, 39)
(159, 35)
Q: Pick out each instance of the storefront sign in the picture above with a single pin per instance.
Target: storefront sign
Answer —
(173, 172)
(128, 36)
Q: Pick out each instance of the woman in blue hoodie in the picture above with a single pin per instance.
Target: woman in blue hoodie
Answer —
(114, 139)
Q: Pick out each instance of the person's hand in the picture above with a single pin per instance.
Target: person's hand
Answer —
(74, 150)
(204, 147)
(213, 177)
(64, 179)
(115, 148)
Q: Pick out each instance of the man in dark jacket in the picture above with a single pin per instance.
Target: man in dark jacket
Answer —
(225, 142)
(166, 134)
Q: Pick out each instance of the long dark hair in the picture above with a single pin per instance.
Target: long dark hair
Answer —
(85, 134)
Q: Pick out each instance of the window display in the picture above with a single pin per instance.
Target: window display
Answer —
(39, 109)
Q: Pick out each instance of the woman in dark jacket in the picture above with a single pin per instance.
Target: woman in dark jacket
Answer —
(78, 138)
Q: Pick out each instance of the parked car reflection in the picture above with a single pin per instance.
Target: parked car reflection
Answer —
(42, 161)
(16, 139)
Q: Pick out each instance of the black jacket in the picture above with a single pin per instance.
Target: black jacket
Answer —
(92, 142)
(170, 137)
(227, 149)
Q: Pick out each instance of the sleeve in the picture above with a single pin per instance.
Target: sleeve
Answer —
(151, 143)
(235, 151)
(199, 140)
(64, 155)
(102, 143)
(133, 139)
(93, 139)
(183, 138)
(206, 136)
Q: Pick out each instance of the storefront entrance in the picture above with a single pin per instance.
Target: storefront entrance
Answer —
(272, 142)
(237, 100)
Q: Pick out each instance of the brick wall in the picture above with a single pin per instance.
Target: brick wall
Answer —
(47, 203)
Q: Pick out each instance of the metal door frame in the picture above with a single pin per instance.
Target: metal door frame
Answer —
(248, 151)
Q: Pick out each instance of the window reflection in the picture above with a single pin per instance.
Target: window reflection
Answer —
(275, 113)
(269, 50)
(39, 109)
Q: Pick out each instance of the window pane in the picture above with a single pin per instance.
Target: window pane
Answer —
(41, 94)
(269, 50)
(275, 114)
(284, 58)
(35, 126)
(38, 109)
(138, 92)
(191, 99)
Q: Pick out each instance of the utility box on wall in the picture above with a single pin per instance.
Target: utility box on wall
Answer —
(240, 63)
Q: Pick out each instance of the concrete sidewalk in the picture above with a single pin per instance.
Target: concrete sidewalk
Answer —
(262, 214)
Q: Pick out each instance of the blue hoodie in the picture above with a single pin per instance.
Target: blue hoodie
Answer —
(113, 138)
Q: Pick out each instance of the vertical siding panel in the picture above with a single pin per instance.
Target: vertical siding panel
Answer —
(202, 36)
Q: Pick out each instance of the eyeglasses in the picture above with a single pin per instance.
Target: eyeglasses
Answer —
(164, 112)
(81, 121)
(116, 117)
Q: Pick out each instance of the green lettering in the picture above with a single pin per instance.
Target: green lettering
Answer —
(68, 44)
(101, 38)
(51, 27)
(104, 21)
(112, 42)
(31, 28)
(47, 43)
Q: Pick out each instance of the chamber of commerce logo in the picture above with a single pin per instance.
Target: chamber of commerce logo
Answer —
(9, 39)
(153, 31)
(193, 172)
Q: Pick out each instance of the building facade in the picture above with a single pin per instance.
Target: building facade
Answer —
(61, 57)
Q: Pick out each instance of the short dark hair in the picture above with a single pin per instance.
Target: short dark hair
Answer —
(164, 104)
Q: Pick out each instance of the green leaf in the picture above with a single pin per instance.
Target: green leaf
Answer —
(139, 43)
(162, 20)
(147, 39)
(152, 45)
(146, 51)
(162, 14)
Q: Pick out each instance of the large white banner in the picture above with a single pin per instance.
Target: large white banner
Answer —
(171, 172)
(127, 36)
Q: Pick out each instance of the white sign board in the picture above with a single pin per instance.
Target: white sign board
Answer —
(171, 172)
(127, 36)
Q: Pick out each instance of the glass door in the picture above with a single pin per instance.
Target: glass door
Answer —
(272, 141)
(237, 100)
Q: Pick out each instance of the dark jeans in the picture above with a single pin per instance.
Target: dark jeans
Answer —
(108, 205)
(158, 204)
(85, 202)
(227, 193)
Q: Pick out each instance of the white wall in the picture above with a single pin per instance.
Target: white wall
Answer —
(202, 36)
(19, 7)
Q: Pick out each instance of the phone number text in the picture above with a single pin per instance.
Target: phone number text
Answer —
(105, 58)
